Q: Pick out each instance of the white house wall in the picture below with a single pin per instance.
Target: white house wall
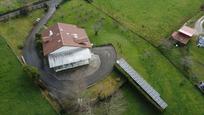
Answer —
(67, 55)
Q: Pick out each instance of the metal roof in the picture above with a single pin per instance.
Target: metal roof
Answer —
(68, 55)
(142, 83)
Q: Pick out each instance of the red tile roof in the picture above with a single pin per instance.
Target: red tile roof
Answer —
(61, 34)
(182, 38)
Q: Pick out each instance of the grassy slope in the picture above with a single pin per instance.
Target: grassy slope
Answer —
(152, 19)
(155, 20)
(16, 30)
(182, 99)
(19, 95)
(7, 5)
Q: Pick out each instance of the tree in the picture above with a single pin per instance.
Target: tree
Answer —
(38, 42)
(186, 62)
(98, 25)
(202, 7)
(31, 72)
(24, 11)
(89, 1)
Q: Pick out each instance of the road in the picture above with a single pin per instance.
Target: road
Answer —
(29, 52)
(199, 26)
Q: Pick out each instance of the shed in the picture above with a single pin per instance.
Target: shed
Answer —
(183, 35)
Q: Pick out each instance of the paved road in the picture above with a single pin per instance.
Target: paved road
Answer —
(29, 52)
(199, 26)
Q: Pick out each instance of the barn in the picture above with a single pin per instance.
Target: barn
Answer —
(66, 46)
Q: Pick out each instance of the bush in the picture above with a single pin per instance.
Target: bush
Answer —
(31, 72)
(24, 11)
(202, 7)
(46, 8)
(20, 47)
(38, 42)
(89, 1)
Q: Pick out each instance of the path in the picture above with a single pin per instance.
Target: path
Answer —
(199, 26)
(29, 52)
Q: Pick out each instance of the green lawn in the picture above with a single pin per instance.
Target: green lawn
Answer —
(153, 19)
(16, 30)
(180, 94)
(7, 5)
(18, 94)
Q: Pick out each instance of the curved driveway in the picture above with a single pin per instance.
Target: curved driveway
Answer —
(199, 26)
(29, 52)
(66, 89)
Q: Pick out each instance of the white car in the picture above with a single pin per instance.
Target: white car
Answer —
(200, 42)
(201, 86)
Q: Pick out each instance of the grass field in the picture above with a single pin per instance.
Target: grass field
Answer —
(16, 30)
(19, 95)
(154, 20)
(7, 5)
(180, 94)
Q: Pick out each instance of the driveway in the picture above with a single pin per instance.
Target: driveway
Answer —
(65, 86)
(199, 25)
(68, 84)
(29, 51)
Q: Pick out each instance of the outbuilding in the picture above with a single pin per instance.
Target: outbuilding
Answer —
(183, 35)
(66, 46)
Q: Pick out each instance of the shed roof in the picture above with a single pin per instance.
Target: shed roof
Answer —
(187, 31)
(61, 34)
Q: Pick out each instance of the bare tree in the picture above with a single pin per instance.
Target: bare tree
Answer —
(98, 25)
(186, 62)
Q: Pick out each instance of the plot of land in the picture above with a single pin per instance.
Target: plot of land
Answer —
(181, 96)
(19, 95)
(16, 30)
(153, 20)
(7, 5)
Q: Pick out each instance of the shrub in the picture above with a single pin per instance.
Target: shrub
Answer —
(31, 72)
(89, 1)
(24, 11)
(38, 42)
(20, 47)
(202, 7)
(46, 8)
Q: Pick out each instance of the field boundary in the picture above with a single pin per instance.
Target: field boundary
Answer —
(11, 48)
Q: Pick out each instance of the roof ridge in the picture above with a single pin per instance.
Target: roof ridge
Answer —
(61, 37)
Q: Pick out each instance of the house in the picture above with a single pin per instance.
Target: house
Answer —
(66, 46)
(183, 35)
